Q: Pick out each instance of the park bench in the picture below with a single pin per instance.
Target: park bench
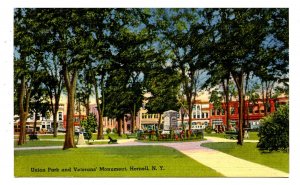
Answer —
(231, 135)
(111, 140)
(33, 137)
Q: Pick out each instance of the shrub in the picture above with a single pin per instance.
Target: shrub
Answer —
(274, 131)
(208, 129)
(115, 130)
(89, 125)
(108, 130)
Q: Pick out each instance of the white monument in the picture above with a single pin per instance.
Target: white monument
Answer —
(170, 120)
(80, 140)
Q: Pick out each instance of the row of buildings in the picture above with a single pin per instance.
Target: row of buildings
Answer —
(203, 114)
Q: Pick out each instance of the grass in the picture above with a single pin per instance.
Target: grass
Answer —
(37, 143)
(170, 140)
(173, 163)
(252, 135)
(249, 152)
(62, 136)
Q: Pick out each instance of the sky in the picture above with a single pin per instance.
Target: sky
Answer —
(6, 86)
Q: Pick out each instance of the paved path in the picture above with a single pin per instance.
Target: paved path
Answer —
(225, 164)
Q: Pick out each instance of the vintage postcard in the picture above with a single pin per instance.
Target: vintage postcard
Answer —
(160, 95)
(151, 92)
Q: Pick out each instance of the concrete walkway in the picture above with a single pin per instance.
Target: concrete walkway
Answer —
(225, 164)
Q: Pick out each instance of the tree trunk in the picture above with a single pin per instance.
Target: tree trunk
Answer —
(123, 124)
(239, 80)
(55, 123)
(100, 112)
(71, 88)
(87, 106)
(133, 119)
(100, 126)
(119, 126)
(182, 119)
(227, 110)
(23, 112)
(263, 96)
(190, 110)
(34, 124)
(22, 136)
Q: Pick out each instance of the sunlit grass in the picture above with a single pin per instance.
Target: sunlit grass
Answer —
(248, 151)
(173, 162)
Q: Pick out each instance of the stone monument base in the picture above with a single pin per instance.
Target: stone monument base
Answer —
(81, 140)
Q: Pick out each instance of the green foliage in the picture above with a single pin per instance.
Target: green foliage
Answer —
(115, 130)
(274, 131)
(208, 129)
(133, 50)
(216, 99)
(108, 130)
(89, 125)
(163, 84)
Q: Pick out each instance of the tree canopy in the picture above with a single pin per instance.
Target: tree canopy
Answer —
(120, 54)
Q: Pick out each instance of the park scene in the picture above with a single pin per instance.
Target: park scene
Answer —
(151, 92)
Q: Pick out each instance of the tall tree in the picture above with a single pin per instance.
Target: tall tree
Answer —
(130, 45)
(53, 81)
(39, 104)
(67, 32)
(26, 66)
(185, 33)
(233, 26)
(163, 83)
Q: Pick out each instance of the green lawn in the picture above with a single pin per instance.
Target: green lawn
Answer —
(64, 162)
(42, 136)
(94, 137)
(36, 143)
(277, 160)
(252, 135)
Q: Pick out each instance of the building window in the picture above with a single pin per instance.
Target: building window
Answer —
(198, 107)
(194, 115)
(60, 116)
(206, 115)
(198, 114)
(143, 115)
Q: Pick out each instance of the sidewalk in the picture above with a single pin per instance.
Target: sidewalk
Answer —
(225, 164)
